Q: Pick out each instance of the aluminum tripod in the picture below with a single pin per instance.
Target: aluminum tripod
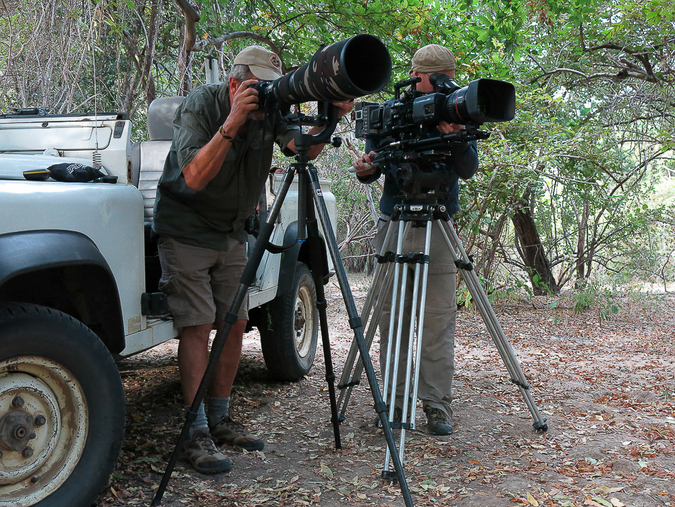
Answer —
(388, 279)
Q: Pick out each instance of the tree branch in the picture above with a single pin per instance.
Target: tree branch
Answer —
(191, 18)
(219, 41)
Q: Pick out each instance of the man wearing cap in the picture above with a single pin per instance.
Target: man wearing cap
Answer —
(212, 179)
(438, 339)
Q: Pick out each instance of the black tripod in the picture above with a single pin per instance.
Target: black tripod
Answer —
(309, 196)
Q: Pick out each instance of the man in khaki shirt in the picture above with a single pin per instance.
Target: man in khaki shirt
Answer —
(214, 173)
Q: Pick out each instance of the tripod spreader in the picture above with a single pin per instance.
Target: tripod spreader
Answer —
(462, 264)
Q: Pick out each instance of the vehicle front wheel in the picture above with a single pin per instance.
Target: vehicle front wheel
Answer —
(62, 409)
(290, 334)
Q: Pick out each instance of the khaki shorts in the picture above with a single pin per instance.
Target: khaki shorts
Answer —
(201, 283)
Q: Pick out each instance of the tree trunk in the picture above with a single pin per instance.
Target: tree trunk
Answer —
(149, 81)
(581, 248)
(490, 245)
(531, 249)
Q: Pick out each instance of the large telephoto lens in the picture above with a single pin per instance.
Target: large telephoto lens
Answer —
(348, 69)
(484, 100)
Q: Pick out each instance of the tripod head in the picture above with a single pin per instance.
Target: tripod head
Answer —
(420, 161)
(327, 116)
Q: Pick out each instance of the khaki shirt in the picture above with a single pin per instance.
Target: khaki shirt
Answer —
(209, 217)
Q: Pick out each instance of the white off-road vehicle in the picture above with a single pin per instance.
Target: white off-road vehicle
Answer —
(78, 289)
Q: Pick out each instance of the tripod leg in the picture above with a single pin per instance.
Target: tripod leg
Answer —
(415, 341)
(381, 279)
(391, 367)
(357, 326)
(422, 312)
(397, 301)
(381, 285)
(492, 324)
(317, 267)
(247, 279)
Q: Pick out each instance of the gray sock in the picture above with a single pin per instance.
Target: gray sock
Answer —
(219, 408)
(200, 423)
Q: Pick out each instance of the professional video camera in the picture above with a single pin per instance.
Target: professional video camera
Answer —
(348, 69)
(408, 117)
(403, 131)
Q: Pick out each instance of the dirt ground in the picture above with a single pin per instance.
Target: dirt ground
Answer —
(605, 386)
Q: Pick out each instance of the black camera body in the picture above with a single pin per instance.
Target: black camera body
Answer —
(410, 114)
(403, 130)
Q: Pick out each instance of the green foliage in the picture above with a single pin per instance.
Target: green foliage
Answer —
(591, 142)
(594, 294)
(583, 301)
(403, 26)
(464, 298)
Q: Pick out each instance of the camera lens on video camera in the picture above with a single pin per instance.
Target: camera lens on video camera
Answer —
(484, 100)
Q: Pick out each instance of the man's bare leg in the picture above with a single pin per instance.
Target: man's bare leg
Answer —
(193, 360)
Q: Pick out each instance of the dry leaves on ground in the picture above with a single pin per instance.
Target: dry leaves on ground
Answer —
(606, 388)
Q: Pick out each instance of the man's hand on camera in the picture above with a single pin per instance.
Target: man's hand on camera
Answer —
(364, 166)
(449, 128)
(244, 102)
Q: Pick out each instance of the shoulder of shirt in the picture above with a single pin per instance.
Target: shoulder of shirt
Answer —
(205, 94)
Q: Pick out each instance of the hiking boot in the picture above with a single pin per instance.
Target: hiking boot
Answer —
(229, 432)
(398, 416)
(204, 456)
(438, 421)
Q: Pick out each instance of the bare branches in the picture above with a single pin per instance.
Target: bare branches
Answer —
(189, 36)
(621, 74)
(627, 62)
(191, 19)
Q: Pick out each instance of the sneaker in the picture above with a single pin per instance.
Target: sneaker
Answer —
(398, 416)
(438, 421)
(229, 432)
(204, 456)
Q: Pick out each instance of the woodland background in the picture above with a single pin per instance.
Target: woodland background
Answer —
(576, 193)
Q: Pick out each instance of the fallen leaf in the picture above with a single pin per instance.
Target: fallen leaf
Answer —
(326, 471)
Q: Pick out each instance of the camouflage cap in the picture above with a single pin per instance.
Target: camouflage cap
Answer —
(264, 64)
(433, 58)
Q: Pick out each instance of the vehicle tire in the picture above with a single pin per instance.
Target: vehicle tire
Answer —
(62, 409)
(289, 336)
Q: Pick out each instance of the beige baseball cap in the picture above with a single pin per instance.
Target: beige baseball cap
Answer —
(433, 58)
(264, 64)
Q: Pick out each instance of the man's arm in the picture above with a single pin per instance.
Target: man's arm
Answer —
(209, 159)
(464, 160)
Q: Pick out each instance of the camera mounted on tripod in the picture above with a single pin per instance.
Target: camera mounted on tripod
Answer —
(403, 129)
(351, 68)
(413, 113)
